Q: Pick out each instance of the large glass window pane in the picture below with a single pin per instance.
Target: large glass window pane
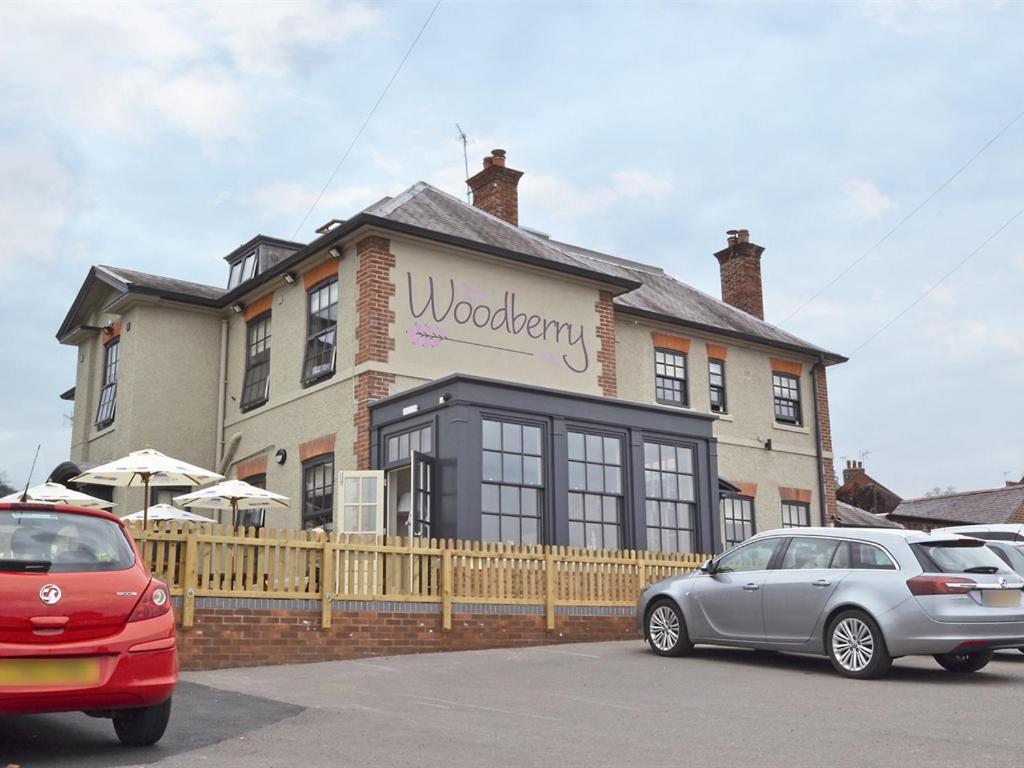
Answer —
(531, 441)
(492, 436)
(670, 497)
(576, 446)
(492, 466)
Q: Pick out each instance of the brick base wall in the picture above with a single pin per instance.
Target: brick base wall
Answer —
(240, 637)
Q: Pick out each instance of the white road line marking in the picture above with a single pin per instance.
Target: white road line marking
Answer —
(432, 704)
(598, 702)
(485, 709)
(567, 653)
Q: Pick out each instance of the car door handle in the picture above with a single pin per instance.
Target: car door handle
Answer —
(751, 586)
(822, 583)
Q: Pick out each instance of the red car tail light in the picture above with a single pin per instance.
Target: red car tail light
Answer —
(154, 602)
(949, 584)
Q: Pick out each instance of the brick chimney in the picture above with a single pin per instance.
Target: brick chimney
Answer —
(495, 188)
(853, 469)
(740, 265)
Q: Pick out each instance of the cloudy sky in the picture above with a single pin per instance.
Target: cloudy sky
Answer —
(158, 137)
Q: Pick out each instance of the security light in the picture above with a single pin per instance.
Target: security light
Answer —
(239, 307)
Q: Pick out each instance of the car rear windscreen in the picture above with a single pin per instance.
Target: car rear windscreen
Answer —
(39, 541)
(959, 556)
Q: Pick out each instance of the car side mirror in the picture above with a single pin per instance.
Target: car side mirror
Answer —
(708, 566)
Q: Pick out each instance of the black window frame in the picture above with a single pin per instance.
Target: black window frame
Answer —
(257, 372)
(727, 518)
(693, 529)
(671, 382)
(316, 336)
(254, 518)
(723, 403)
(106, 407)
(787, 514)
(780, 390)
(419, 438)
(580, 515)
(509, 488)
(321, 515)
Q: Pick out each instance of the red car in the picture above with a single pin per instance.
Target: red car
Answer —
(83, 625)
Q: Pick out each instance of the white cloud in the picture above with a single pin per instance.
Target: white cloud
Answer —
(141, 67)
(1017, 261)
(866, 201)
(972, 340)
(563, 196)
(37, 199)
(263, 38)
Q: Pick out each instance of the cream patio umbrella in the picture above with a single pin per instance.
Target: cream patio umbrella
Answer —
(55, 493)
(147, 469)
(167, 512)
(233, 495)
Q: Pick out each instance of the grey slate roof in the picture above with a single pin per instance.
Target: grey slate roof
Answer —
(658, 295)
(643, 289)
(422, 205)
(995, 505)
(849, 516)
(662, 296)
(164, 285)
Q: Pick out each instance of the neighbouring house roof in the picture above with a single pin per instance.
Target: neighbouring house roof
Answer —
(425, 211)
(861, 490)
(849, 516)
(995, 505)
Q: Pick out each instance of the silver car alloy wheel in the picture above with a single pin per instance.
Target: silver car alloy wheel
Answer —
(664, 628)
(853, 644)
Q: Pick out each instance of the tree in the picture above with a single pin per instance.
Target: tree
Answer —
(5, 487)
(937, 491)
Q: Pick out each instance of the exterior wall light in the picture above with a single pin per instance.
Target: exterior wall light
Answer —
(239, 308)
(335, 253)
(289, 277)
(281, 456)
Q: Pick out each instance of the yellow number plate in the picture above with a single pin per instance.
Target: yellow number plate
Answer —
(31, 672)
(1002, 598)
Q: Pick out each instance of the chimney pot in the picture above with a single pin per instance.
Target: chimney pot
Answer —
(744, 235)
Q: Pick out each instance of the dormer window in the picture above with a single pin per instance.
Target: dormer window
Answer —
(243, 269)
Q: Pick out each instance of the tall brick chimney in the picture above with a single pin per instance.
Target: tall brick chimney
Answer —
(740, 265)
(495, 188)
(853, 468)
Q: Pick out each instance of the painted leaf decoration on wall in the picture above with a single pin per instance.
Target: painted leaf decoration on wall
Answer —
(425, 335)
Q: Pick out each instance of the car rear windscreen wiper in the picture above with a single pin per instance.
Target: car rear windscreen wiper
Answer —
(982, 569)
(25, 566)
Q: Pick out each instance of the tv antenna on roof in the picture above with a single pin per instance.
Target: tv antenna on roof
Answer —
(465, 156)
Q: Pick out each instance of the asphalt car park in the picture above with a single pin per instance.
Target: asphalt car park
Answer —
(588, 705)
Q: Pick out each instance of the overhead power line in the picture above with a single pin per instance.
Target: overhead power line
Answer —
(902, 221)
(369, 117)
(940, 281)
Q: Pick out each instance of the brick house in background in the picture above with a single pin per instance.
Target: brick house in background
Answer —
(985, 507)
(434, 366)
(861, 490)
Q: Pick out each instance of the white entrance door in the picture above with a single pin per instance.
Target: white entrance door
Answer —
(361, 512)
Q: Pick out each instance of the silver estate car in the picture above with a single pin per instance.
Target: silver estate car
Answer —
(862, 597)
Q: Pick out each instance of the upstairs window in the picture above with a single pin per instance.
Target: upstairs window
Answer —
(256, 385)
(321, 332)
(670, 377)
(243, 269)
(716, 381)
(786, 389)
(108, 390)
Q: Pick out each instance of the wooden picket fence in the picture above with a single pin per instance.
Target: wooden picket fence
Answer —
(218, 561)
